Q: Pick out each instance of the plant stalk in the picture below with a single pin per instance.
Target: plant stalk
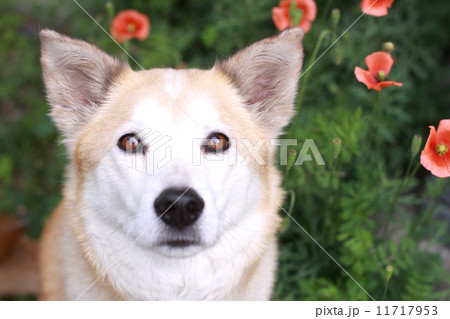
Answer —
(306, 74)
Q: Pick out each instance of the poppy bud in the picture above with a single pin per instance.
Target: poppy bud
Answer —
(295, 14)
(337, 146)
(293, 8)
(335, 17)
(387, 47)
(389, 270)
(110, 8)
(416, 144)
(292, 155)
(336, 55)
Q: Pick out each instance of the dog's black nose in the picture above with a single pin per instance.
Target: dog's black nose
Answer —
(179, 207)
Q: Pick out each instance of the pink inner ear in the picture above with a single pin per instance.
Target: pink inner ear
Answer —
(260, 89)
(85, 96)
(85, 87)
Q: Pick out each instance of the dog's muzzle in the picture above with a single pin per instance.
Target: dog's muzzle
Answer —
(179, 208)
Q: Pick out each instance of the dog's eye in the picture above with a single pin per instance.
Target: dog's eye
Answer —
(217, 142)
(128, 143)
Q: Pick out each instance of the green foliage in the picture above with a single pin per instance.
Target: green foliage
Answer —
(344, 205)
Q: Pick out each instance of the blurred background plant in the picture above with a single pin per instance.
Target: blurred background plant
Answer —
(371, 206)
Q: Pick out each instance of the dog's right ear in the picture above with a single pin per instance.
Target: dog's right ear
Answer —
(77, 76)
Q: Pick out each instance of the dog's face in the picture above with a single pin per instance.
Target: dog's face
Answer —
(172, 158)
(171, 173)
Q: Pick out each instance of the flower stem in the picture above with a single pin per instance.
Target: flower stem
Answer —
(378, 124)
(307, 73)
(373, 126)
(389, 270)
(326, 10)
(127, 48)
(248, 20)
(403, 184)
(429, 212)
(329, 197)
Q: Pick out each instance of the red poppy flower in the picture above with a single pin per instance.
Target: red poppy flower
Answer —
(435, 156)
(130, 24)
(379, 64)
(377, 8)
(282, 19)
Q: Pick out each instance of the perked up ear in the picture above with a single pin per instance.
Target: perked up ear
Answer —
(77, 76)
(266, 75)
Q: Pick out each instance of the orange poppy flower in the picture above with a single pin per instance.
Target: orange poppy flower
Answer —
(281, 14)
(379, 64)
(377, 8)
(435, 156)
(130, 24)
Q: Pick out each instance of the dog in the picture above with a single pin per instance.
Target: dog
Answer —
(196, 228)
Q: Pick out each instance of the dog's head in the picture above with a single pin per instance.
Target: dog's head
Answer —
(172, 158)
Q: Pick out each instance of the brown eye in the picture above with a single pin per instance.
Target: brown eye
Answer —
(217, 142)
(128, 143)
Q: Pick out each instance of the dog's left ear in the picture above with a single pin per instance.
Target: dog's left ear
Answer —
(266, 75)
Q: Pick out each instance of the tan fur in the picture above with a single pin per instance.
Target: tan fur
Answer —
(49, 259)
(68, 257)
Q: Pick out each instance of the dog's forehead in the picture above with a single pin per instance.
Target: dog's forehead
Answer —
(165, 96)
